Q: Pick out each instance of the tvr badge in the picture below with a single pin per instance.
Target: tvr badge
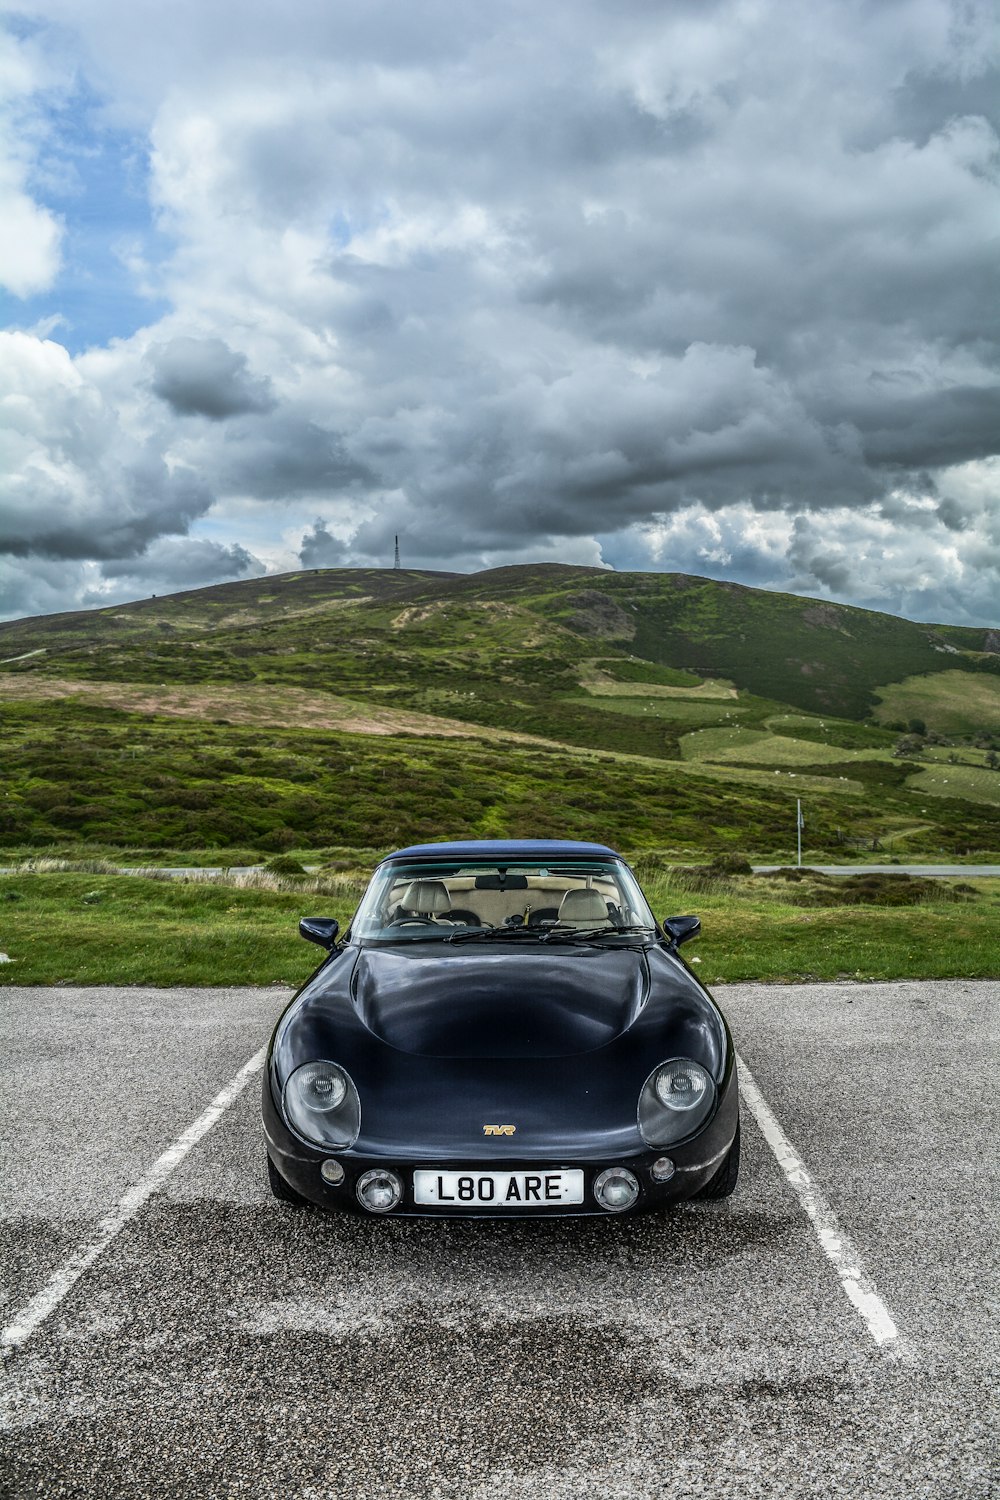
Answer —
(499, 1129)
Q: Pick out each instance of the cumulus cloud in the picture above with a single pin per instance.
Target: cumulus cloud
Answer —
(29, 246)
(75, 482)
(286, 457)
(45, 588)
(205, 378)
(542, 281)
(898, 556)
(53, 585)
(184, 562)
(320, 549)
(32, 234)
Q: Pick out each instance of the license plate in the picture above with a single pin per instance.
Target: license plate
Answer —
(504, 1190)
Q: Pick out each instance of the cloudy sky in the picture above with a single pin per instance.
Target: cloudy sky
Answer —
(697, 285)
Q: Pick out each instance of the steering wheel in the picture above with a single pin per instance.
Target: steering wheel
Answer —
(412, 921)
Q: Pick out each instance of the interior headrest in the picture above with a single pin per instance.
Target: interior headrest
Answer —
(583, 906)
(426, 895)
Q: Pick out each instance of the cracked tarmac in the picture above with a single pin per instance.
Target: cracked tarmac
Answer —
(228, 1345)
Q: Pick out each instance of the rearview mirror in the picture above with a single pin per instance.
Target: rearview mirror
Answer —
(322, 930)
(681, 929)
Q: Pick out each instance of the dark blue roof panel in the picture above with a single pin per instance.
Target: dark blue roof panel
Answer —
(496, 849)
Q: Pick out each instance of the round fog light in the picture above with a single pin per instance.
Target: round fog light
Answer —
(616, 1189)
(332, 1172)
(662, 1169)
(379, 1190)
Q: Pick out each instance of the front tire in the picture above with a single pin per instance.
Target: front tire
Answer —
(723, 1184)
(282, 1189)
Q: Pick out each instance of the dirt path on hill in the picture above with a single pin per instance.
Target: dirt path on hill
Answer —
(260, 704)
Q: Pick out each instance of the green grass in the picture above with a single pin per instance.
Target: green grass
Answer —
(966, 782)
(951, 702)
(714, 744)
(93, 853)
(781, 750)
(629, 670)
(675, 711)
(106, 929)
(823, 761)
(295, 706)
(511, 641)
(108, 778)
(795, 783)
(121, 929)
(786, 945)
(839, 732)
(752, 930)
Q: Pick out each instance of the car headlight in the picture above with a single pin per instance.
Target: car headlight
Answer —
(321, 1103)
(676, 1099)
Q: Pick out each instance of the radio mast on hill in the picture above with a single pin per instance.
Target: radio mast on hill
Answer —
(395, 563)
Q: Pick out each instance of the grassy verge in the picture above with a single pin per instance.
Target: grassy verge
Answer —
(109, 929)
(120, 929)
(816, 928)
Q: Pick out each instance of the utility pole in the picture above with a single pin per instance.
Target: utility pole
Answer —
(799, 824)
(396, 559)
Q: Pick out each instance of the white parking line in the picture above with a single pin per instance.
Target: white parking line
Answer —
(65, 1278)
(835, 1244)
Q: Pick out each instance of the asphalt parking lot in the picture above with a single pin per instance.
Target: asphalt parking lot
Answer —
(223, 1344)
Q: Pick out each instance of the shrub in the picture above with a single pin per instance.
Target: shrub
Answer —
(280, 839)
(284, 864)
(889, 890)
(875, 889)
(732, 864)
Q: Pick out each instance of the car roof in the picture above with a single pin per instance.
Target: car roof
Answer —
(511, 849)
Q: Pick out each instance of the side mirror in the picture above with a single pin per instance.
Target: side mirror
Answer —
(322, 930)
(681, 929)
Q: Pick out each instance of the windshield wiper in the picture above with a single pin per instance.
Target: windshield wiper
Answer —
(584, 934)
(471, 934)
(543, 934)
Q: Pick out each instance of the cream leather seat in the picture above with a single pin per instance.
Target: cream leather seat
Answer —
(426, 898)
(583, 908)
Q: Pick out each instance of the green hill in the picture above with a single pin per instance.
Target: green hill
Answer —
(525, 623)
(688, 711)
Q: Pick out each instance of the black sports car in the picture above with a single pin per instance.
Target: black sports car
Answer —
(502, 1030)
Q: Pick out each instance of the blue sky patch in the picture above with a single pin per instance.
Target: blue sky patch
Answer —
(95, 179)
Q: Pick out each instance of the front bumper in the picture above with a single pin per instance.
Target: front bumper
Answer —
(695, 1161)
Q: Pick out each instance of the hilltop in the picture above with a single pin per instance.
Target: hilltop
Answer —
(744, 697)
(817, 656)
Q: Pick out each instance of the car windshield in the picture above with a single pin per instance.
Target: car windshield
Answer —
(423, 901)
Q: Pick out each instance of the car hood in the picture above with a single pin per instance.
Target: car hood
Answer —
(499, 1002)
